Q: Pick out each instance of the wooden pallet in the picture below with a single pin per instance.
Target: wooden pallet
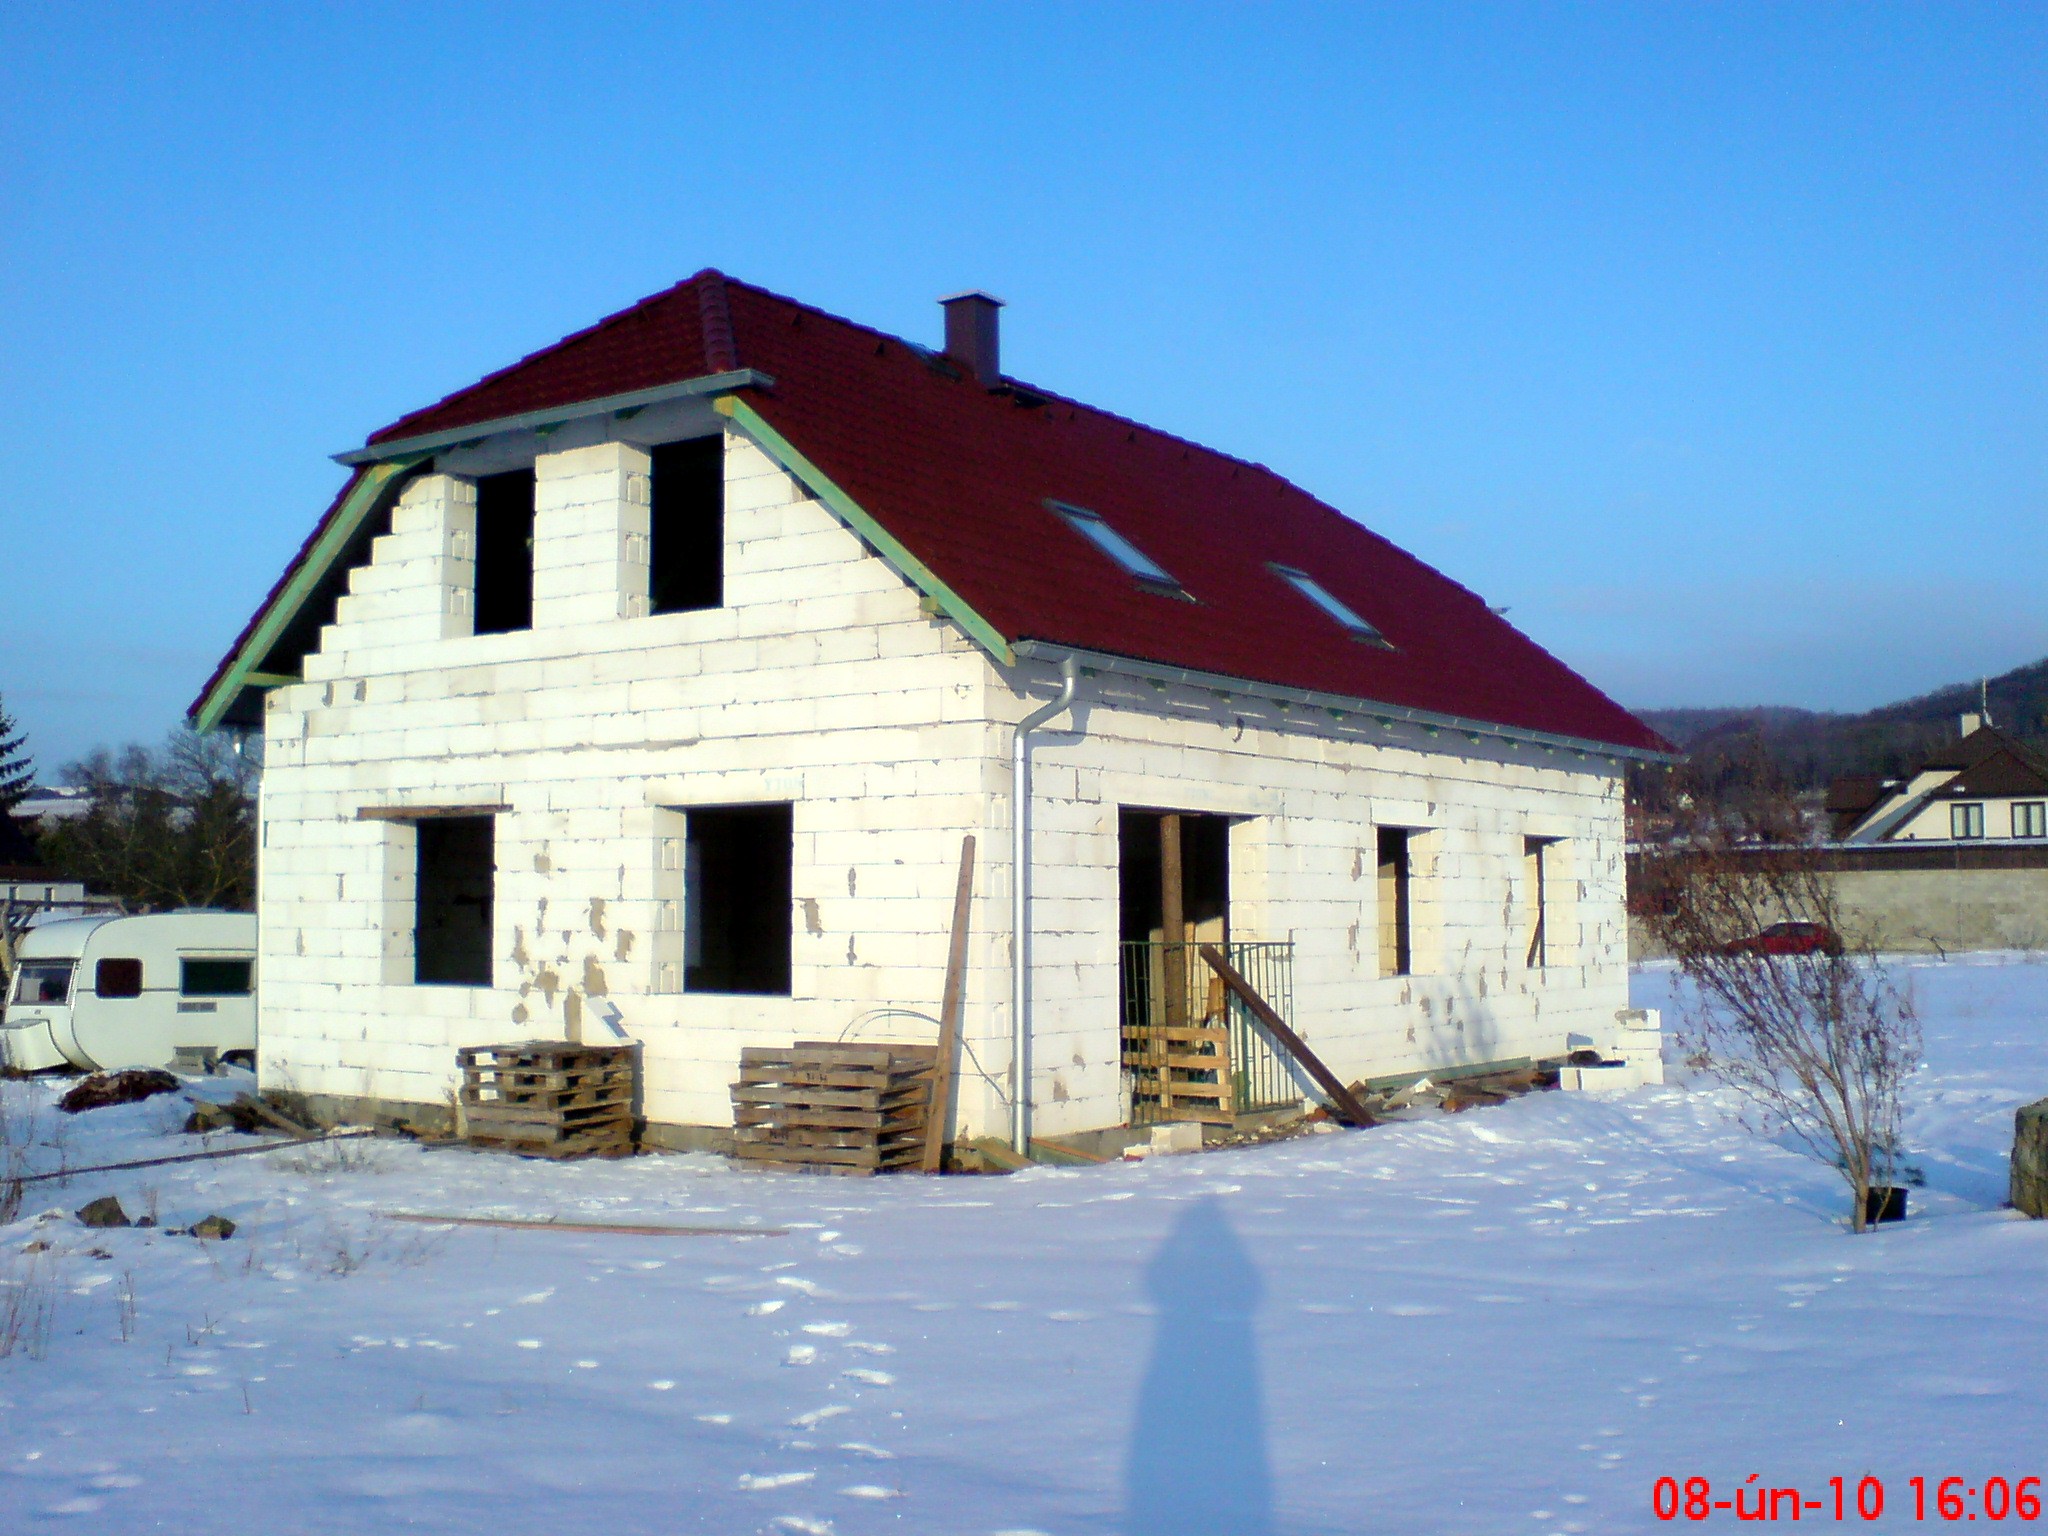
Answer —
(835, 1108)
(1182, 1071)
(549, 1098)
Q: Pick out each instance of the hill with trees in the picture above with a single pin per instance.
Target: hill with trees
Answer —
(1810, 747)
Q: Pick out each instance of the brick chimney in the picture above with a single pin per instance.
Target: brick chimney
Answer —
(971, 335)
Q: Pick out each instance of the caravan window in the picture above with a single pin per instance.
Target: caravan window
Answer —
(44, 981)
(215, 978)
(117, 978)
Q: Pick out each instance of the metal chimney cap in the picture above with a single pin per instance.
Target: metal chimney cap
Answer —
(973, 293)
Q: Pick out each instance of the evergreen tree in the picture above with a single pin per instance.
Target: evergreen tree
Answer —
(17, 768)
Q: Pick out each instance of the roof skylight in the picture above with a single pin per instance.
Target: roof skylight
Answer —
(1331, 604)
(1133, 560)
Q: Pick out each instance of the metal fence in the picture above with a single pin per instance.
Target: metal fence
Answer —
(1259, 1074)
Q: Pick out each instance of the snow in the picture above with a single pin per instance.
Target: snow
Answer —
(1513, 1319)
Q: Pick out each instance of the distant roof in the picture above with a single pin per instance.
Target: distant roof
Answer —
(1998, 766)
(1854, 793)
(963, 477)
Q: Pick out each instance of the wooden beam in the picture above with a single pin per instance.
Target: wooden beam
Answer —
(617, 1228)
(1349, 1110)
(1173, 933)
(425, 812)
(949, 1013)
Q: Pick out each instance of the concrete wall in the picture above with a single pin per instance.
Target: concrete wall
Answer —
(1922, 910)
(1932, 900)
(823, 682)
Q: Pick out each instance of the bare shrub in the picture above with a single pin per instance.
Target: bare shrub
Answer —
(17, 1135)
(28, 1302)
(1812, 1032)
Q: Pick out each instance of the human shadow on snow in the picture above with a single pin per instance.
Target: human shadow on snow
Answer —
(1197, 1463)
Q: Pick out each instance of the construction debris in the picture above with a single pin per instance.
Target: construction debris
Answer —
(103, 1212)
(107, 1088)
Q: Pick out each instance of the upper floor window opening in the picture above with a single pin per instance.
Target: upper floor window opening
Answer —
(504, 552)
(1966, 820)
(686, 526)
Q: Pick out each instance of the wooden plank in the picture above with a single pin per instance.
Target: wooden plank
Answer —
(426, 812)
(852, 1119)
(1348, 1108)
(776, 1152)
(814, 1076)
(835, 1051)
(550, 1224)
(844, 1098)
(949, 1015)
(807, 1136)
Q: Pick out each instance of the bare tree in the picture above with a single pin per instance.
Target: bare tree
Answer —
(169, 828)
(1811, 1029)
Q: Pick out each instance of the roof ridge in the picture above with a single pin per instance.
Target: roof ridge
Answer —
(721, 353)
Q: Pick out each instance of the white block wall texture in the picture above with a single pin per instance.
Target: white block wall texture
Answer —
(822, 682)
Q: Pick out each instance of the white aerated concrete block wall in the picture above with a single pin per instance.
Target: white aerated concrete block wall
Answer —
(1308, 795)
(590, 535)
(822, 683)
(421, 577)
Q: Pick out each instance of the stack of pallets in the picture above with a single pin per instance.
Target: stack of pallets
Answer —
(549, 1098)
(835, 1108)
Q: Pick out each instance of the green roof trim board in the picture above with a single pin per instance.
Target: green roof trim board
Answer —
(883, 542)
(243, 669)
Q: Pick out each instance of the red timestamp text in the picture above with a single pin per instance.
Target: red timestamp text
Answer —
(1944, 1499)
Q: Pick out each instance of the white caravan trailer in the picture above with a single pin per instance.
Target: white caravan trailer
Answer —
(104, 993)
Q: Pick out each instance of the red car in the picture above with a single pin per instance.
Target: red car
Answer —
(1788, 939)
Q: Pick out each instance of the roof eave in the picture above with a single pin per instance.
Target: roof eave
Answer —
(1339, 704)
(711, 384)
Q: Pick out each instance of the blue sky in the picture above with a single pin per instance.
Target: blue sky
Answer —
(1708, 338)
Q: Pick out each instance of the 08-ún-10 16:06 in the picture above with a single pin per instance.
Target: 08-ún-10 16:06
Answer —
(1954, 1498)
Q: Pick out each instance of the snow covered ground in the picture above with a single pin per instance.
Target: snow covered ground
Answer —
(1510, 1320)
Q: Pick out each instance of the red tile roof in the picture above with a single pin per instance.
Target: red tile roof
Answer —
(961, 474)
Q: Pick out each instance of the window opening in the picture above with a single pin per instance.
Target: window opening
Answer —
(1396, 895)
(117, 978)
(215, 978)
(1536, 885)
(454, 890)
(686, 526)
(736, 899)
(1148, 573)
(504, 552)
(2030, 818)
(1329, 602)
(1966, 821)
(44, 981)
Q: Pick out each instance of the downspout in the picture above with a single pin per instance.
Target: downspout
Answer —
(1020, 902)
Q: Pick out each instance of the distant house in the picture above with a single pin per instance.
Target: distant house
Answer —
(659, 677)
(29, 887)
(1984, 786)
